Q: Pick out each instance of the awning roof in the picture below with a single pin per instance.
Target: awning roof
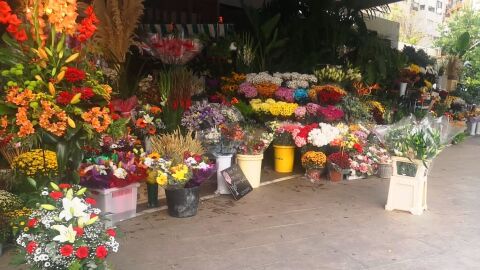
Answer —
(371, 3)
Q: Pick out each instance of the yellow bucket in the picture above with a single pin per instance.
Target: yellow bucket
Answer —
(284, 158)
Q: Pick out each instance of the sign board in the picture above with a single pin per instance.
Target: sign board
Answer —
(236, 182)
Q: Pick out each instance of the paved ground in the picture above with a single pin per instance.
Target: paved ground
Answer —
(297, 225)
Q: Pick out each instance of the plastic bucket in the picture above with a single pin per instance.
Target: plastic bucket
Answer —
(251, 166)
(284, 158)
(183, 202)
(223, 162)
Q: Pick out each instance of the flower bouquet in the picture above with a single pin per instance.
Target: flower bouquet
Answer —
(119, 169)
(223, 139)
(255, 141)
(322, 135)
(273, 109)
(65, 232)
(314, 164)
(230, 84)
(109, 144)
(202, 168)
(328, 94)
(330, 113)
(283, 132)
(147, 120)
(174, 50)
(52, 91)
(204, 115)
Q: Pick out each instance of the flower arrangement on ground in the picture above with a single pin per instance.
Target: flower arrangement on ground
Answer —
(119, 169)
(313, 159)
(223, 139)
(255, 141)
(339, 160)
(273, 108)
(36, 163)
(66, 232)
(52, 90)
(283, 132)
(202, 168)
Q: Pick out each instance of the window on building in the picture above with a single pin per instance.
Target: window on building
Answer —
(439, 4)
(422, 7)
(431, 9)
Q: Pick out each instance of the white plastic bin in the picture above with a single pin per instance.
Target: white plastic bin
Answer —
(120, 202)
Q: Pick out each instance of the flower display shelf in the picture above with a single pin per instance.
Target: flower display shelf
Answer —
(121, 202)
(408, 186)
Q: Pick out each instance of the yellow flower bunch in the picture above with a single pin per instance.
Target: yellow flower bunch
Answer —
(18, 217)
(36, 162)
(180, 173)
(162, 178)
(275, 108)
(314, 159)
(349, 141)
(414, 68)
(428, 84)
(373, 104)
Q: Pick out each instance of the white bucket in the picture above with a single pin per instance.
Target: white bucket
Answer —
(223, 162)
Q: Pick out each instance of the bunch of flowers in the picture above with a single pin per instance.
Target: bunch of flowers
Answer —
(152, 163)
(255, 141)
(363, 89)
(174, 50)
(283, 132)
(263, 77)
(285, 94)
(328, 94)
(248, 90)
(204, 115)
(378, 154)
(109, 144)
(331, 113)
(147, 120)
(9, 202)
(301, 95)
(295, 79)
(230, 84)
(363, 164)
(108, 171)
(300, 136)
(202, 168)
(322, 135)
(37, 162)
(313, 159)
(223, 139)
(410, 74)
(66, 232)
(175, 176)
(339, 160)
(266, 89)
(273, 108)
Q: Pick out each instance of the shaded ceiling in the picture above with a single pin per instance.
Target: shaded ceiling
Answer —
(362, 4)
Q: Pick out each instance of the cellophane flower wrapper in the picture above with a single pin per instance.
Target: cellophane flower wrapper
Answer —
(173, 50)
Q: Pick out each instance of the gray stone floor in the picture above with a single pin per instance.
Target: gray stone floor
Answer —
(298, 225)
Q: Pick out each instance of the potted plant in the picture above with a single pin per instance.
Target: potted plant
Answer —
(284, 145)
(114, 180)
(250, 153)
(181, 182)
(68, 227)
(338, 166)
(314, 164)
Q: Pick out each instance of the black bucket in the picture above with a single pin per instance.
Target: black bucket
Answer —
(183, 202)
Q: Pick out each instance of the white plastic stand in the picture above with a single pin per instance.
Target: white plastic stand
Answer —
(120, 203)
(408, 193)
(223, 162)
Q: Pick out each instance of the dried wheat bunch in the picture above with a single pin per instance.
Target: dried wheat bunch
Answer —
(174, 145)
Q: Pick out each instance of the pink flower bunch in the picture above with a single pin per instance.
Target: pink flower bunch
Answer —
(300, 112)
(331, 113)
(285, 94)
(361, 135)
(363, 164)
(248, 90)
(312, 109)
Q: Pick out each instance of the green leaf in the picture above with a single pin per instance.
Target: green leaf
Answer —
(32, 182)
(4, 109)
(462, 44)
(269, 26)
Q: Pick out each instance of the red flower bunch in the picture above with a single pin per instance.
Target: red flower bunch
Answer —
(174, 50)
(340, 159)
(329, 97)
(358, 147)
(64, 97)
(87, 27)
(331, 113)
(13, 22)
(87, 92)
(301, 136)
(74, 74)
(184, 104)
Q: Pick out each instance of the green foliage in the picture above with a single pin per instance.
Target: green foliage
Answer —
(417, 57)
(459, 138)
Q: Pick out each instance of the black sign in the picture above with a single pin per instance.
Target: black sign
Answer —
(236, 182)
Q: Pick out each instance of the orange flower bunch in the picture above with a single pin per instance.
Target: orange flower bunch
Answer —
(266, 90)
(365, 89)
(98, 117)
(62, 14)
(230, 84)
(18, 98)
(24, 124)
(57, 128)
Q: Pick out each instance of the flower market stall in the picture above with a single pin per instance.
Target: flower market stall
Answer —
(85, 141)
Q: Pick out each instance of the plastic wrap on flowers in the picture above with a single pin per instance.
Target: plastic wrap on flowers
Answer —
(200, 175)
(174, 50)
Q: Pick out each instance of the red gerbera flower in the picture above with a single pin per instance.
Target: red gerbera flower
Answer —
(87, 92)
(56, 195)
(64, 186)
(358, 147)
(31, 247)
(74, 74)
(66, 250)
(90, 201)
(101, 252)
(111, 232)
(82, 252)
(32, 222)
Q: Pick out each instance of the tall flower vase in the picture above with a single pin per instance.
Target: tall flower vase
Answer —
(403, 89)
(222, 162)
(251, 166)
(284, 156)
(152, 192)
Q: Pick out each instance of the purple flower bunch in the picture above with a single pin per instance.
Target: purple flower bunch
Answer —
(331, 113)
(248, 90)
(285, 94)
(202, 115)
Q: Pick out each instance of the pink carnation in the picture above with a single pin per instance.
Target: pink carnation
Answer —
(299, 141)
(285, 94)
(300, 112)
(248, 90)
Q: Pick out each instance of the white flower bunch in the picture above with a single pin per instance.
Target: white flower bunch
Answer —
(294, 84)
(323, 135)
(263, 77)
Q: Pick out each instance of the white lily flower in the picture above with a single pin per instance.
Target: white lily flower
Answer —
(72, 208)
(67, 234)
(148, 119)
